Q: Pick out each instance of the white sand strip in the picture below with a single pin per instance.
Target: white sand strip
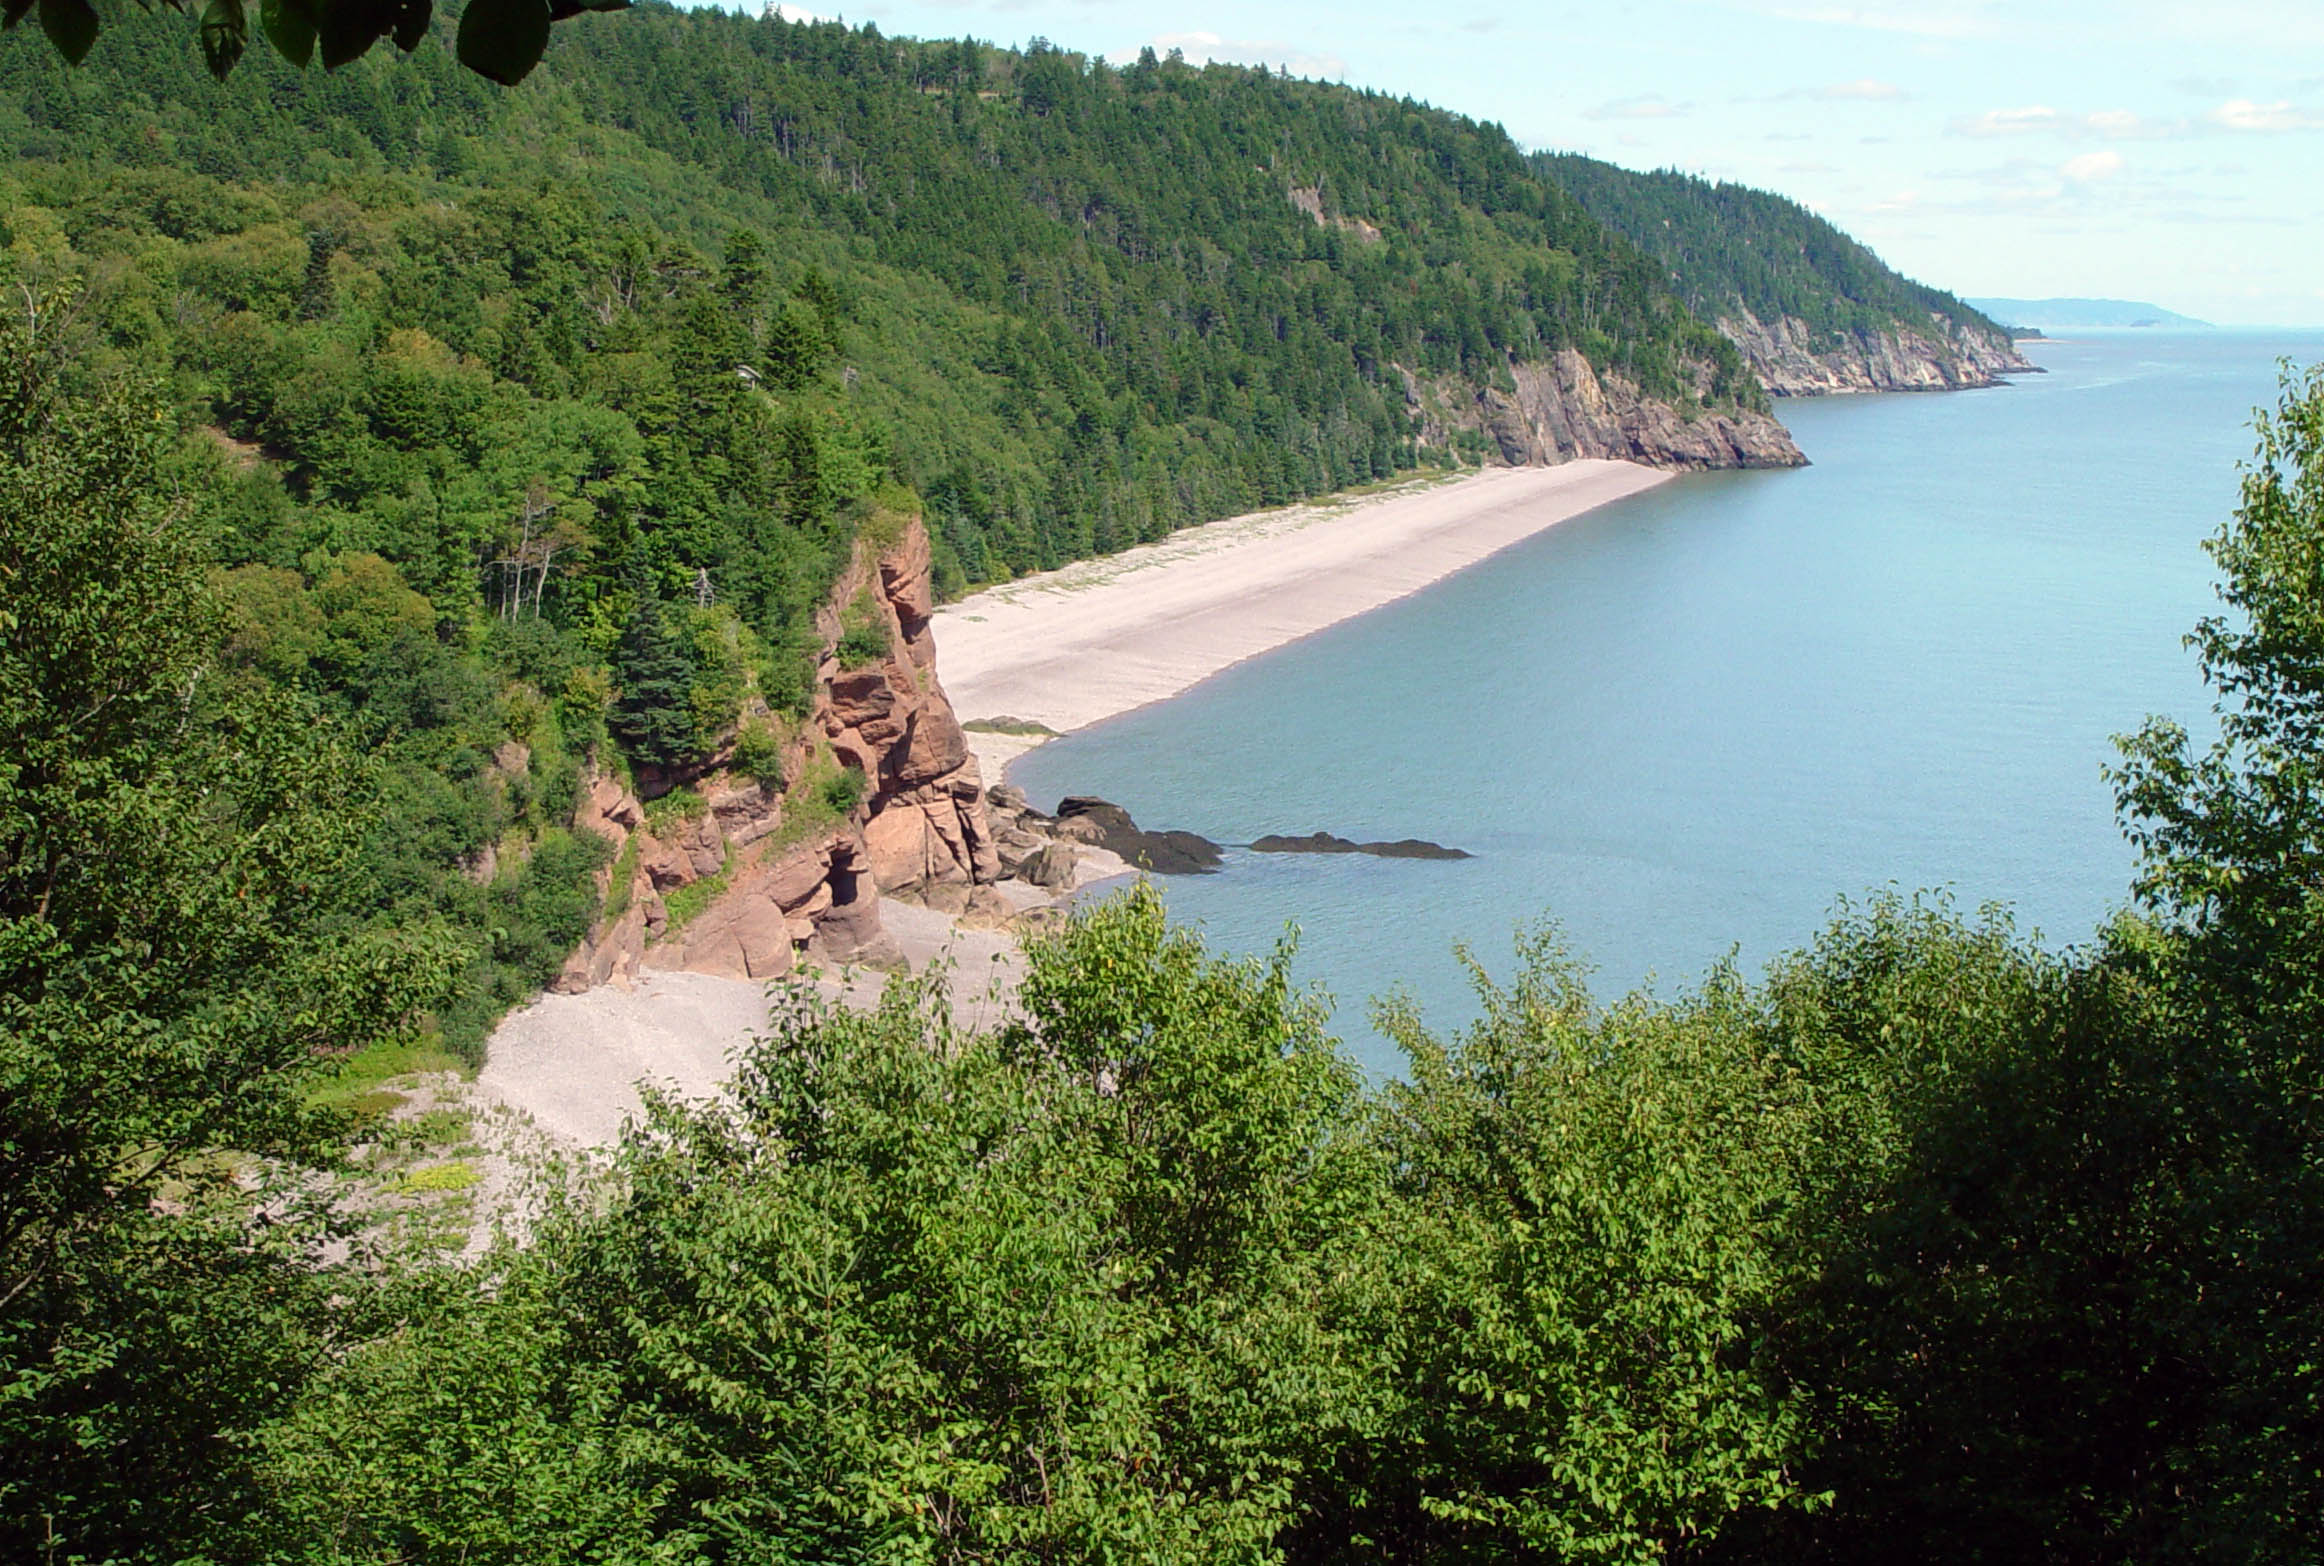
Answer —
(1070, 647)
(572, 1063)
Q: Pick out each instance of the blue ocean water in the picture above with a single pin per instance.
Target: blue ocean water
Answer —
(1688, 722)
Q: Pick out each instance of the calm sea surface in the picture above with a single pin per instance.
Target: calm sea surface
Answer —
(1688, 722)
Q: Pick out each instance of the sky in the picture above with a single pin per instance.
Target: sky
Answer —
(2170, 151)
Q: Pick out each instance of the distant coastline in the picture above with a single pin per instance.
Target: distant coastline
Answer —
(2038, 314)
(1056, 652)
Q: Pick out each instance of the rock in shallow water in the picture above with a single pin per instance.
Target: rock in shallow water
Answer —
(1105, 825)
(1325, 843)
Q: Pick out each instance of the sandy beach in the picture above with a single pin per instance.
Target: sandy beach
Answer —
(1068, 648)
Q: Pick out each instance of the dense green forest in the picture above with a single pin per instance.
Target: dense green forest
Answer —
(1722, 244)
(1932, 1245)
(1080, 299)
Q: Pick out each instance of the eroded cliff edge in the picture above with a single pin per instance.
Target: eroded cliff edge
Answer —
(876, 793)
(1791, 359)
(1557, 409)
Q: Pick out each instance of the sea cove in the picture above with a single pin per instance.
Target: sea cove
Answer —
(1690, 720)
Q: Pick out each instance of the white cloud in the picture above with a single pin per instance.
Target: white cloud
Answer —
(2093, 166)
(2040, 119)
(794, 13)
(2008, 122)
(2241, 114)
(1922, 21)
(1204, 48)
(1864, 90)
(1648, 106)
(2276, 25)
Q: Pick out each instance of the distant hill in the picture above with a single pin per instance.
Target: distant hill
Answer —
(1812, 309)
(2083, 312)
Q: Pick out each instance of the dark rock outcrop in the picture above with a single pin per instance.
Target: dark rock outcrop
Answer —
(1095, 821)
(1325, 843)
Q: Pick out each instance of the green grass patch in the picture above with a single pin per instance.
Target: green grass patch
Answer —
(436, 1128)
(624, 874)
(377, 1104)
(688, 901)
(437, 1179)
(1009, 726)
(673, 809)
(361, 1074)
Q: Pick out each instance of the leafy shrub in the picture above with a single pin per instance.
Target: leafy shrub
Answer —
(863, 637)
(666, 812)
(758, 755)
(723, 651)
(534, 917)
(843, 791)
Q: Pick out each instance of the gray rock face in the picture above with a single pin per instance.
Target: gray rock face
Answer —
(1051, 868)
(1563, 408)
(1790, 361)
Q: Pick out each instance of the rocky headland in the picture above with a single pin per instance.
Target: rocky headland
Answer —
(1792, 359)
(878, 797)
(1563, 409)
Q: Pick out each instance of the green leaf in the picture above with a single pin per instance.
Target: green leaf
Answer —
(290, 26)
(346, 29)
(225, 34)
(13, 11)
(71, 25)
(411, 23)
(559, 10)
(504, 39)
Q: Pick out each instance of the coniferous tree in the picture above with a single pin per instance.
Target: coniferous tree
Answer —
(654, 675)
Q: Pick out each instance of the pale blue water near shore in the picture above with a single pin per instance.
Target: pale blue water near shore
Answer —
(1689, 721)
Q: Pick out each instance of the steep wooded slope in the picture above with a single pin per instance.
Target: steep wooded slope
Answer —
(1812, 309)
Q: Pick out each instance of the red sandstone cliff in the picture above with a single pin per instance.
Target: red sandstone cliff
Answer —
(798, 884)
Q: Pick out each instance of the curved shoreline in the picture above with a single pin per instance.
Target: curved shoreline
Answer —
(1072, 647)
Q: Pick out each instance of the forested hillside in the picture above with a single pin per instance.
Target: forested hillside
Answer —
(1812, 309)
(1083, 299)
